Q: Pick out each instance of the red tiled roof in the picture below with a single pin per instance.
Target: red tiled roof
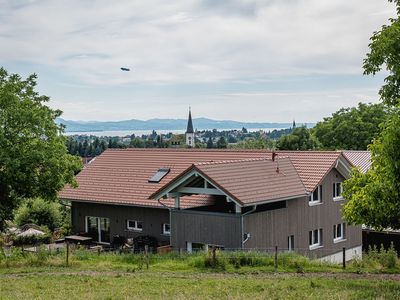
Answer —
(121, 175)
(360, 159)
(254, 180)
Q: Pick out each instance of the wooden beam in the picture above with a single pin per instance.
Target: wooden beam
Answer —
(177, 202)
(238, 209)
(195, 190)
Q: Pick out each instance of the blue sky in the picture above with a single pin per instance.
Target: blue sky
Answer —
(267, 60)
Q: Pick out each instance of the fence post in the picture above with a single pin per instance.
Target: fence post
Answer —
(67, 258)
(146, 255)
(344, 257)
(214, 259)
(276, 258)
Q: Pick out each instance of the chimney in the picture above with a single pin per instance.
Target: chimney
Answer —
(275, 155)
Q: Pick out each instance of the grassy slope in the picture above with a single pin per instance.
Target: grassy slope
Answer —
(114, 276)
(195, 286)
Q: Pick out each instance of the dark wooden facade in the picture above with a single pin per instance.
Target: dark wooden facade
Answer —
(373, 238)
(267, 226)
(220, 229)
(272, 228)
(152, 219)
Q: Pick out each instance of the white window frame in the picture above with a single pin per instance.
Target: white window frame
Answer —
(319, 236)
(342, 237)
(336, 197)
(164, 231)
(135, 227)
(311, 200)
(98, 220)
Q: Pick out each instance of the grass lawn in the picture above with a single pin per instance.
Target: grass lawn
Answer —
(233, 276)
(148, 285)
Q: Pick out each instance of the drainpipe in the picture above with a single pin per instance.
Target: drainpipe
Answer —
(169, 210)
(241, 219)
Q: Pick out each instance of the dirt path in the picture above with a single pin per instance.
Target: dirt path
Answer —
(395, 277)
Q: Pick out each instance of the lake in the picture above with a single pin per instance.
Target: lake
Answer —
(140, 132)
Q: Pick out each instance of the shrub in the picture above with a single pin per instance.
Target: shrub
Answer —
(39, 258)
(388, 257)
(240, 259)
(206, 260)
(385, 258)
(39, 212)
(32, 240)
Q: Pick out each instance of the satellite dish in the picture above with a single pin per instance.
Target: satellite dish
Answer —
(125, 69)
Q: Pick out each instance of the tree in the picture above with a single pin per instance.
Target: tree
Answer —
(210, 143)
(374, 197)
(384, 51)
(259, 143)
(221, 143)
(34, 161)
(351, 128)
(39, 212)
(299, 139)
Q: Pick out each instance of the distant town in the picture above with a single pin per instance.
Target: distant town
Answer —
(91, 145)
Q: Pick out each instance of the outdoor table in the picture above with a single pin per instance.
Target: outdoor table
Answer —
(77, 239)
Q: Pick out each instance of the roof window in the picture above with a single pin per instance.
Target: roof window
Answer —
(161, 173)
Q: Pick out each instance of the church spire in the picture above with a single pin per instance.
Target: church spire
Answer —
(190, 139)
(190, 123)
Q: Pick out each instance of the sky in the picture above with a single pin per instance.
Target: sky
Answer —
(244, 60)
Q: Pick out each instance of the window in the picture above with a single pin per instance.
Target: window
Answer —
(316, 196)
(160, 174)
(166, 229)
(339, 232)
(337, 191)
(291, 242)
(315, 238)
(134, 225)
(98, 229)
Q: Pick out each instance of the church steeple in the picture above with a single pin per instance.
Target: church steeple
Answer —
(189, 131)
(189, 128)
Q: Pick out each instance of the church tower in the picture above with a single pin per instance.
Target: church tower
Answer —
(189, 132)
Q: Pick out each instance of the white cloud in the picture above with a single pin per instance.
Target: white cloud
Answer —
(191, 41)
(174, 44)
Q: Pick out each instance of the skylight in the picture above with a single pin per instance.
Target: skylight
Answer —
(159, 175)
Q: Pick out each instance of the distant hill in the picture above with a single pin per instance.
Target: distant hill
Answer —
(163, 124)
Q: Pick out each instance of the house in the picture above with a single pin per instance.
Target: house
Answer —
(233, 199)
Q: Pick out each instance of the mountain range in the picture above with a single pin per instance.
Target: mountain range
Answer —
(162, 124)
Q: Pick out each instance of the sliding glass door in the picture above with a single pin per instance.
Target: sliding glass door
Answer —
(98, 229)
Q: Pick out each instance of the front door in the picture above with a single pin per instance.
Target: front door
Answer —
(98, 229)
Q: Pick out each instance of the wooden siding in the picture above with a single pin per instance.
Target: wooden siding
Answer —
(206, 228)
(272, 228)
(152, 219)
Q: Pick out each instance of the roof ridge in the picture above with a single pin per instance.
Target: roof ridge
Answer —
(225, 150)
(231, 161)
(237, 160)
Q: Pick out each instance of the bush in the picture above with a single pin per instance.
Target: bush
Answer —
(240, 259)
(385, 258)
(32, 240)
(39, 212)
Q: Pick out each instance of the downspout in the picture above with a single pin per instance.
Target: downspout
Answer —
(169, 209)
(241, 217)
